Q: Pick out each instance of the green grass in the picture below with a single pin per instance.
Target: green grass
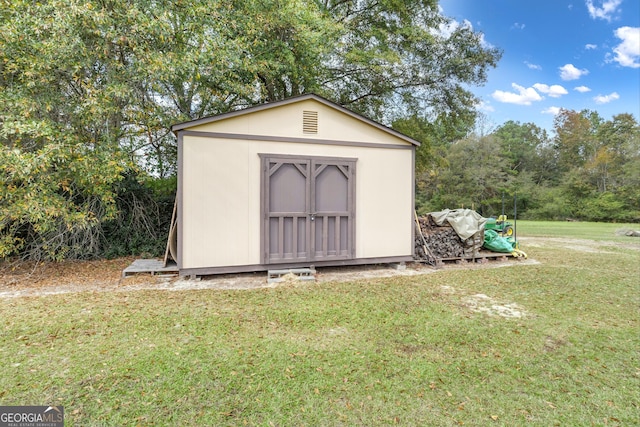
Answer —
(406, 351)
(575, 230)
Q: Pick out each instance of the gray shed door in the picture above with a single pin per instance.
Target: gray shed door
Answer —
(308, 208)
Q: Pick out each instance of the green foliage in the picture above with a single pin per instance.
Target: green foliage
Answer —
(61, 95)
(473, 176)
(606, 207)
(597, 181)
(403, 54)
(550, 205)
(588, 171)
(54, 198)
(142, 223)
(522, 145)
(574, 139)
(434, 136)
(89, 90)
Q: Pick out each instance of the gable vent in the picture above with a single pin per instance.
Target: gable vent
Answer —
(309, 122)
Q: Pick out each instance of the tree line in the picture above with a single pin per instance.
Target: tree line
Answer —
(588, 170)
(89, 90)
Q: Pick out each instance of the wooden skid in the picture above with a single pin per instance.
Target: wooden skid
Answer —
(153, 266)
(480, 258)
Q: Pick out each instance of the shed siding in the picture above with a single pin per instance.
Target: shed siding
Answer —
(221, 190)
(215, 201)
(286, 121)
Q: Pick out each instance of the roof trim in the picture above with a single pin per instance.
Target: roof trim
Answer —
(256, 137)
(205, 120)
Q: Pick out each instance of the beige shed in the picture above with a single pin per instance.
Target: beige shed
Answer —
(292, 183)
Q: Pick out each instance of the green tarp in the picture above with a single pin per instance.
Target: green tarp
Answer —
(496, 243)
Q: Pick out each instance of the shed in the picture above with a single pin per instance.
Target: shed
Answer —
(293, 183)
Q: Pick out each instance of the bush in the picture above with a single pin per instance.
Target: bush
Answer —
(550, 205)
(606, 207)
(143, 220)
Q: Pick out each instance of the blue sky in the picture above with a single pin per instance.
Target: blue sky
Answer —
(572, 54)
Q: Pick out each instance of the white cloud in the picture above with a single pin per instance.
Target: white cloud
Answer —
(627, 53)
(582, 89)
(606, 12)
(554, 91)
(551, 110)
(484, 106)
(484, 43)
(518, 26)
(533, 66)
(446, 29)
(590, 46)
(569, 72)
(525, 96)
(605, 99)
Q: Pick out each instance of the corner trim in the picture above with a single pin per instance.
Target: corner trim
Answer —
(179, 200)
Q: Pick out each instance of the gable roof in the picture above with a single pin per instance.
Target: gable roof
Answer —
(205, 120)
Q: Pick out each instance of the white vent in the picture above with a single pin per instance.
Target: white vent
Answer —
(309, 122)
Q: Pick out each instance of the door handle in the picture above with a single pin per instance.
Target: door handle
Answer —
(313, 215)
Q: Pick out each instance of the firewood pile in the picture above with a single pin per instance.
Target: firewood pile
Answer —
(443, 242)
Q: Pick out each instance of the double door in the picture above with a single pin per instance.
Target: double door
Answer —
(308, 207)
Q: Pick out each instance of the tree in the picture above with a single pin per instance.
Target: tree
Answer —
(575, 138)
(86, 88)
(406, 55)
(617, 143)
(436, 137)
(474, 176)
(89, 90)
(522, 146)
(60, 113)
(597, 180)
(594, 155)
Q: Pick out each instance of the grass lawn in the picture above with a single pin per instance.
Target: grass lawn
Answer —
(407, 350)
(577, 230)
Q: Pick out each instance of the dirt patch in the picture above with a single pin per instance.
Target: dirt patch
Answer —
(580, 245)
(552, 344)
(106, 275)
(481, 303)
(24, 279)
(628, 233)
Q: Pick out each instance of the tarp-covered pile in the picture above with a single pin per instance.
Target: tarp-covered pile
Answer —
(450, 234)
(459, 233)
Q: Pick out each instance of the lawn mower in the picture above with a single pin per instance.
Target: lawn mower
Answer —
(500, 226)
(500, 234)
